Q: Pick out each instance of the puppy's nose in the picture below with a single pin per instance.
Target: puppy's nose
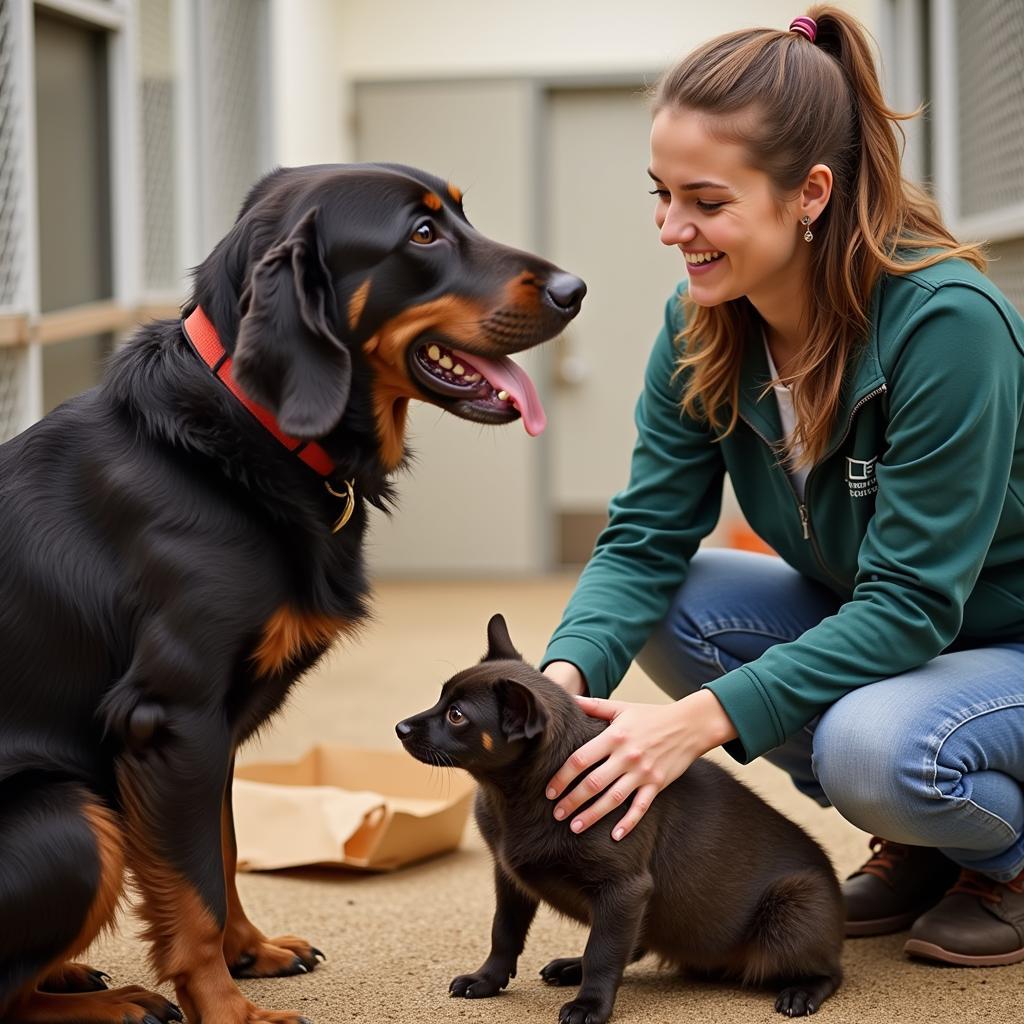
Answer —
(566, 291)
(404, 730)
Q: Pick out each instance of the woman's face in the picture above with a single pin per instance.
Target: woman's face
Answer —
(709, 200)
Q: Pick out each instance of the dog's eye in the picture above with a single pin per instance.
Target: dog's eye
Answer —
(424, 233)
(455, 716)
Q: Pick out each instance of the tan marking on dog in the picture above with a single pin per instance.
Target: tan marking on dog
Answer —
(523, 293)
(192, 957)
(455, 192)
(288, 633)
(458, 319)
(357, 303)
(487, 740)
(111, 854)
(186, 941)
(432, 201)
(181, 930)
(239, 932)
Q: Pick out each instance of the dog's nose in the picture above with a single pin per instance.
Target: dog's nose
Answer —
(404, 730)
(566, 291)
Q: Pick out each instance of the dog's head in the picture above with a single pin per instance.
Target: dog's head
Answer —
(339, 270)
(489, 716)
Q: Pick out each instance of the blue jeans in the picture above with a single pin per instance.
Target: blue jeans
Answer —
(933, 757)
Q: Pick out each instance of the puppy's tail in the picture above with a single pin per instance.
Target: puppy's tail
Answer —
(796, 930)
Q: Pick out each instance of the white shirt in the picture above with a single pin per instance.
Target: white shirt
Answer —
(787, 414)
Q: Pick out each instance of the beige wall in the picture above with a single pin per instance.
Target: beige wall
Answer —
(412, 38)
(307, 75)
(321, 46)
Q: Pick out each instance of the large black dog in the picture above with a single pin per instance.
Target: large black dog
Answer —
(180, 544)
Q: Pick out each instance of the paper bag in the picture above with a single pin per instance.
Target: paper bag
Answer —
(371, 809)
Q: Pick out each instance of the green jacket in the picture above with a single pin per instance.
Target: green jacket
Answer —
(915, 516)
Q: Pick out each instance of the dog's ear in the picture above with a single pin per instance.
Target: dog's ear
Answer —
(523, 716)
(288, 354)
(499, 643)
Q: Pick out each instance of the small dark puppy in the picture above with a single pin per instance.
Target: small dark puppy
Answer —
(712, 879)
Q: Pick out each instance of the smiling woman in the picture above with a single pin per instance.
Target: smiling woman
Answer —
(843, 358)
(723, 217)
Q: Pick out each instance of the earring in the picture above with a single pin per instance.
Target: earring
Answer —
(805, 220)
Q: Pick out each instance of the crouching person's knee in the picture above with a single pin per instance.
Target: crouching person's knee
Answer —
(865, 765)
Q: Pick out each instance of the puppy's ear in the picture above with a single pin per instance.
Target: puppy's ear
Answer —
(288, 355)
(523, 716)
(499, 643)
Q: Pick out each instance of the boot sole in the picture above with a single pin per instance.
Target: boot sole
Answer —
(930, 951)
(883, 925)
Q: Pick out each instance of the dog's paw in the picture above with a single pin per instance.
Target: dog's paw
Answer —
(796, 1002)
(71, 977)
(565, 971)
(129, 1005)
(588, 1010)
(476, 986)
(276, 958)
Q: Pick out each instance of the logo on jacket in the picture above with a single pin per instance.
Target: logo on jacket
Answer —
(860, 477)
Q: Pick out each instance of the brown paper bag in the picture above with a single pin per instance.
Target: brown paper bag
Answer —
(370, 809)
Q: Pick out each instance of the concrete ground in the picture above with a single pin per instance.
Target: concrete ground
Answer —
(394, 941)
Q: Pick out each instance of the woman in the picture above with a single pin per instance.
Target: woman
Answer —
(845, 360)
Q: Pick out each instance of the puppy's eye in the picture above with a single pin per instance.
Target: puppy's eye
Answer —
(424, 233)
(455, 716)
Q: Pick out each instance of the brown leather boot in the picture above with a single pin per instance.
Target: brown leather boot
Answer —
(896, 886)
(978, 923)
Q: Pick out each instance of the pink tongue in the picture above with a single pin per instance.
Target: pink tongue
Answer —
(505, 375)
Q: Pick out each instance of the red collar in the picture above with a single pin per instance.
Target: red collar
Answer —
(203, 337)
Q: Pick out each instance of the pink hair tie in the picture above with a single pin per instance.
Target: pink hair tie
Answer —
(805, 26)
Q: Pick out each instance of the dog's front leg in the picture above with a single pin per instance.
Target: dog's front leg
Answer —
(172, 774)
(513, 915)
(247, 951)
(616, 915)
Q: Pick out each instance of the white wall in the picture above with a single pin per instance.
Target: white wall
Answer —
(307, 74)
(321, 46)
(411, 38)
(461, 38)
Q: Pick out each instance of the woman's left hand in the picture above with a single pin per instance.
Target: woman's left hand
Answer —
(647, 746)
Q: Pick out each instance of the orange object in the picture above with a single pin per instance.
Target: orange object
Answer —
(743, 537)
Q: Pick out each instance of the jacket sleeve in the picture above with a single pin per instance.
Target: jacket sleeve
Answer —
(671, 502)
(956, 388)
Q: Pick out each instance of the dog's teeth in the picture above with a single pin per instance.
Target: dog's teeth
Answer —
(459, 369)
(445, 362)
(472, 378)
(503, 395)
(434, 352)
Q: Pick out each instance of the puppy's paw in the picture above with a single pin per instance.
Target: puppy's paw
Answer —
(566, 971)
(586, 1010)
(476, 986)
(796, 1002)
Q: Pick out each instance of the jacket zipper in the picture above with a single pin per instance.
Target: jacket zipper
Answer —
(804, 513)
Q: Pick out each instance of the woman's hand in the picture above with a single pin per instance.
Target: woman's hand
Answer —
(647, 746)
